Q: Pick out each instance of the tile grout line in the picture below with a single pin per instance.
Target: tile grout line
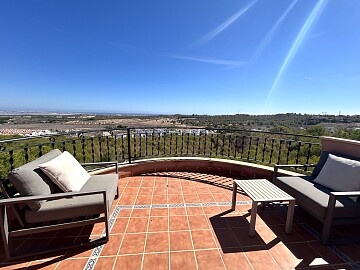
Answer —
(147, 227)
(97, 250)
(212, 233)
(181, 205)
(168, 216)
(192, 242)
(127, 224)
(90, 264)
(333, 248)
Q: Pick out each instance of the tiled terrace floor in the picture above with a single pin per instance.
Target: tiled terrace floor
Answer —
(183, 221)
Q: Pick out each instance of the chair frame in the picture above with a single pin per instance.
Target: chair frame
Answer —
(8, 233)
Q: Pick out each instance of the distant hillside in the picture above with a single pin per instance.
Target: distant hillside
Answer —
(289, 120)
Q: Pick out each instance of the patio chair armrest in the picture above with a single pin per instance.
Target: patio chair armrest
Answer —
(50, 197)
(103, 163)
(332, 200)
(345, 193)
(280, 166)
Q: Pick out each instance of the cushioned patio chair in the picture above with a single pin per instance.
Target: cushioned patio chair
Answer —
(41, 206)
(331, 192)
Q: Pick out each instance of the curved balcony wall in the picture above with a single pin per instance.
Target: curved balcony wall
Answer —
(235, 169)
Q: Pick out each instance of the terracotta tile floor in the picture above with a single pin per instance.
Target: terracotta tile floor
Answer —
(183, 221)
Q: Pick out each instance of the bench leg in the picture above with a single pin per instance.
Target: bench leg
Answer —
(325, 234)
(253, 218)
(290, 216)
(5, 231)
(233, 202)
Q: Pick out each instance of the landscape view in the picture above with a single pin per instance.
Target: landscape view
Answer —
(182, 135)
(33, 124)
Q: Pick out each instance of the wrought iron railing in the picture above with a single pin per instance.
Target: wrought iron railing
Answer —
(129, 144)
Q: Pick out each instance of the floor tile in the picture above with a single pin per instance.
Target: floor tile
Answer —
(120, 225)
(127, 199)
(206, 197)
(131, 191)
(157, 224)
(159, 212)
(160, 190)
(219, 197)
(209, 259)
(304, 252)
(188, 190)
(112, 247)
(145, 191)
(159, 199)
(140, 212)
(134, 183)
(225, 238)
(352, 251)
(244, 239)
(156, 261)
(133, 243)
(198, 222)
(180, 240)
(261, 259)
(147, 183)
(125, 213)
(42, 264)
(211, 210)
(174, 199)
(157, 242)
(182, 260)
(178, 223)
(218, 222)
(143, 200)
(195, 210)
(105, 263)
(236, 260)
(203, 239)
(191, 198)
(137, 224)
(72, 264)
(128, 262)
(237, 221)
(81, 252)
(326, 253)
(177, 211)
(266, 235)
(284, 257)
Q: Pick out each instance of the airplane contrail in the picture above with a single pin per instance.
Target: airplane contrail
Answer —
(313, 16)
(228, 63)
(266, 40)
(224, 25)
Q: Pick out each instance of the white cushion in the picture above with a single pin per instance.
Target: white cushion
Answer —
(340, 174)
(66, 172)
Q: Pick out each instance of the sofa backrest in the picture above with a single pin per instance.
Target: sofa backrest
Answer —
(339, 147)
(29, 180)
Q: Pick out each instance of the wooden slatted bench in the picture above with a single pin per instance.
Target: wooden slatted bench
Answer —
(263, 191)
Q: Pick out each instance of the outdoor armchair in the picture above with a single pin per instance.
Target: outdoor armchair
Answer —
(330, 192)
(41, 207)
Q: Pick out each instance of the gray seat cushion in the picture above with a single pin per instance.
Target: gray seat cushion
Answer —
(29, 180)
(314, 197)
(77, 206)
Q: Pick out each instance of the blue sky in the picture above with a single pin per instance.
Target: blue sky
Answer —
(189, 57)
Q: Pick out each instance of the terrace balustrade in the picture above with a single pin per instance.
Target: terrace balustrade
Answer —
(129, 144)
